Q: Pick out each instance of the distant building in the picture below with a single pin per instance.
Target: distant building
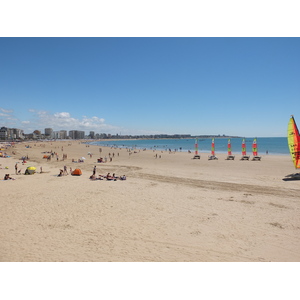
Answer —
(63, 134)
(76, 134)
(11, 133)
(17, 133)
(56, 135)
(92, 134)
(103, 136)
(33, 136)
(3, 133)
(49, 133)
(72, 134)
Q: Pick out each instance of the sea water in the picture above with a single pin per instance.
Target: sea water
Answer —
(270, 145)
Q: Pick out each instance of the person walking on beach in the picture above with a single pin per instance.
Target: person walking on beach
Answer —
(94, 170)
(16, 168)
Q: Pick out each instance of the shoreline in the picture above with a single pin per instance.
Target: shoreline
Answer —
(190, 150)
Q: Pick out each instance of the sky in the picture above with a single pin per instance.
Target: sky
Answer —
(163, 85)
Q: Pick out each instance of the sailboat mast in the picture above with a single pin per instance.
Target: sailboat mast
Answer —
(244, 147)
(229, 147)
(254, 147)
(196, 147)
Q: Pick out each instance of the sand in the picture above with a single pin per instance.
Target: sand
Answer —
(169, 209)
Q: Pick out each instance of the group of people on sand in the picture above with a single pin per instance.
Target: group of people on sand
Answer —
(64, 171)
(80, 160)
(107, 176)
(112, 177)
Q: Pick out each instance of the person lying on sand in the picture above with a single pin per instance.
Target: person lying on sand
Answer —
(109, 177)
(93, 177)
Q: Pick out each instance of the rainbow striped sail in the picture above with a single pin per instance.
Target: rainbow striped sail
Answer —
(229, 147)
(213, 147)
(244, 152)
(254, 147)
(294, 142)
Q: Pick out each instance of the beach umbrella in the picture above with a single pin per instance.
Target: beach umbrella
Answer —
(31, 170)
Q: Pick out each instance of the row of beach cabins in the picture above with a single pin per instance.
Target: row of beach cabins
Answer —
(230, 156)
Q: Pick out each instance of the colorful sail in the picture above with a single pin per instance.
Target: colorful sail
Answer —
(294, 142)
(244, 147)
(196, 147)
(213, 147)
(229, 147)
(254, 147)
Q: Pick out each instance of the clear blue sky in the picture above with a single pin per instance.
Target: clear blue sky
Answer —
(235, 86)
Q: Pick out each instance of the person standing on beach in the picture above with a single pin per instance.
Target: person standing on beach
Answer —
(94, 170)
(65, 170)
(16, 168)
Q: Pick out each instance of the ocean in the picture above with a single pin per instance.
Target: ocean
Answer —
(272, 145)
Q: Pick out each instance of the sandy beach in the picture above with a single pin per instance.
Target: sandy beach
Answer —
(170, 208)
